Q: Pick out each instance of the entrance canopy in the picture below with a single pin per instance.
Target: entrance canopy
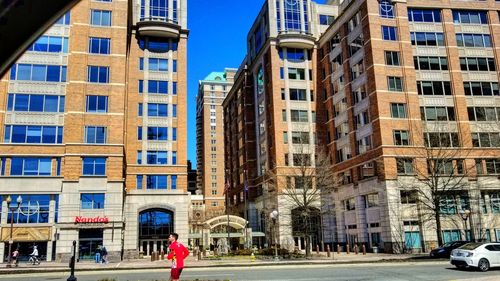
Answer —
(234, 222)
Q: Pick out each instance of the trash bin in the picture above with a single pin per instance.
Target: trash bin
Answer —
(375, 250)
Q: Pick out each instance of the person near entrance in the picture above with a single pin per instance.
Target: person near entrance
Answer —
(15, 255)
(177, 254)
(104, 253)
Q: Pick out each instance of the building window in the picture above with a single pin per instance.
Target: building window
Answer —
(157, 133)
(372, 200)
(139, 157)
(50, 44)
(173, 182)
(392, 58)
(139, 181)
(386, 9)
(154, 64)
(157, 157)
(35, 103)
(474, 40)
(298, 116)
(139, 133)
(156, 182)
(389, 33)
(94, 166)
(440, 113)
(94, 134)
(298, 94)
(424, 15)
(24, 166)
(470, 16)
(436, 88)
(427, 39)
(98, 74)
(65, 19)
(481, 89)
(477, 64)
(398, 110)
(404, 166)
(486, 139)
(92, 201)
(214, 204)
(408, 196)
(99, 45)
(33, 134)
(139, 110)
(430, 63)
(441, 140)
(97, 104)
(157, 87)
(100, 18)
(38, 72)
(401, 137)
(326, 19)
(157, 110)
(395, 84)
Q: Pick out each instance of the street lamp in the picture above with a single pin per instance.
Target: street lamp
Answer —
(274, 216)
(19, 200)
(465, 214)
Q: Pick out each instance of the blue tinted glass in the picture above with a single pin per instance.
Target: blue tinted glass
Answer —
(174, 182)
(162, 87)
(139, 110)
(62, 100)
(101, 135)
(105, 44)
(100, 166)
(34, 134)
(55, 44)
(174, 88)
(141, 86)
(139, 133)
(153, 64)
(59, 134)
(88, 166)
(152, 109)
(151, 157)
(95, 17)
(90, 135)
(18, 134)
(41, 45)
(162, 65)
(162, 182)
(174, 110)
(63, 73)
(174, 134)
(174, 66)
(30, 166)
(16, 166)
(44, 167)
(141, 63)
(51, 103)
(7, 135)
(65, 45)
(24, 72)
(158, 46)
(174, 157)
(102, 104)
(91, 103)
(139, 182)
(106, 18)
(162, 157)
(162, 133)
(152, 133)
(39, 72)
(94, 45)
(13, 72)
(103, 74)
(162, 110)
(152, 86)
(21, 102)
(36, 103)
(10, 102)
(49, 134)
(93, 72)
(53, 73)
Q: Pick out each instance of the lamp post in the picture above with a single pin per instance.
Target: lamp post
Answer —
(465, 214)
(274, 216)
(19, 200)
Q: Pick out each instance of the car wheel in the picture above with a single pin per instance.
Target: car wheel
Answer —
(483, 265)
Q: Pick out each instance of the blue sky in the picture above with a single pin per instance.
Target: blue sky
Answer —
(217, 39)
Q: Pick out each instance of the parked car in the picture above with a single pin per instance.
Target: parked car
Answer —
(479, 255)
(445, 250)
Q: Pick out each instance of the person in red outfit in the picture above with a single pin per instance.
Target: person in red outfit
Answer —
(177, 254)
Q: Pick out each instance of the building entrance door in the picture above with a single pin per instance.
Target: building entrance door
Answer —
(149, 246)
(155, 225)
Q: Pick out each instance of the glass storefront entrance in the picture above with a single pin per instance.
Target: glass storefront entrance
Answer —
(89, 241)
(26, 248)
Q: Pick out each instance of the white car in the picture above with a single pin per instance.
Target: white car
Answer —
(479, 255)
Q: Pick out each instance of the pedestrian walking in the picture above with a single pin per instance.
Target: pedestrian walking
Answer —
(104, 253)
(15, 255)
(177, 254)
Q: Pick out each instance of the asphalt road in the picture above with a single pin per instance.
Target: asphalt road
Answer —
(352, 272)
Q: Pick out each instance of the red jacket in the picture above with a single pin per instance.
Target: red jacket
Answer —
(177, 254)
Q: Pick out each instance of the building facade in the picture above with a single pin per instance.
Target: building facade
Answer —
(209, 132)
(404, 87)
(275, 94)
(93, 126)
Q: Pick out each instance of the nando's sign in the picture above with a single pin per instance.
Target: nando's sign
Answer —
(98, 219)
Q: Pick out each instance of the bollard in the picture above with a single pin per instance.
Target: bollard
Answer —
(356, 249)
(364, 249)
(199, 255)
(72, 264)
(338, 249)
(328, 250)
(162, 255)
(317, 249)
(348, 248)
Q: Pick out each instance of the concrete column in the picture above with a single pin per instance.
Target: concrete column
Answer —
(2, 251)
(302, 18)
(5, 210)
(49, 251)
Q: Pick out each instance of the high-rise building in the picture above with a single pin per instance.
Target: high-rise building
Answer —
(209, 139)
(93, 132)
(408, 95)
(270, 114)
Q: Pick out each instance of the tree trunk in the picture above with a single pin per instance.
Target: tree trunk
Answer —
(438, 227)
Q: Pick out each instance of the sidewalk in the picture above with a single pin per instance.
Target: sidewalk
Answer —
(192, 262)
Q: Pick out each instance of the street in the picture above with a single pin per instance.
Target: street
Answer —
(352, 272)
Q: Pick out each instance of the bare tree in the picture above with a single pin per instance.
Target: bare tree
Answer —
(302, 188)
(439, 175)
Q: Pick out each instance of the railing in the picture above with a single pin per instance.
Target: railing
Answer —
(161, 19)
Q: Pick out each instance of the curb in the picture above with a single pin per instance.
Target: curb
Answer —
(326, 262)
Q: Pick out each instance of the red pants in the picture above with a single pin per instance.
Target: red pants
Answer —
(175, 273)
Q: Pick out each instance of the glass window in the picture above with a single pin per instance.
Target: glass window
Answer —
(95, 134)
(386, 9)
(92, 200)
(392, 58)
(157, 157)
(98, 74)
(94, 166)
(157, 133)
(38, 72)
(33, 134)
(24, 166)
(156, 182)
(395, 84)
(157, 87)
(65, 19)
(97, 104)
(470, 16)
(99, 45)
(424, 15)
(389, 33)
(100, 18)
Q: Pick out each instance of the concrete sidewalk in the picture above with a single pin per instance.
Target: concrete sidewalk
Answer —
(192, 262)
